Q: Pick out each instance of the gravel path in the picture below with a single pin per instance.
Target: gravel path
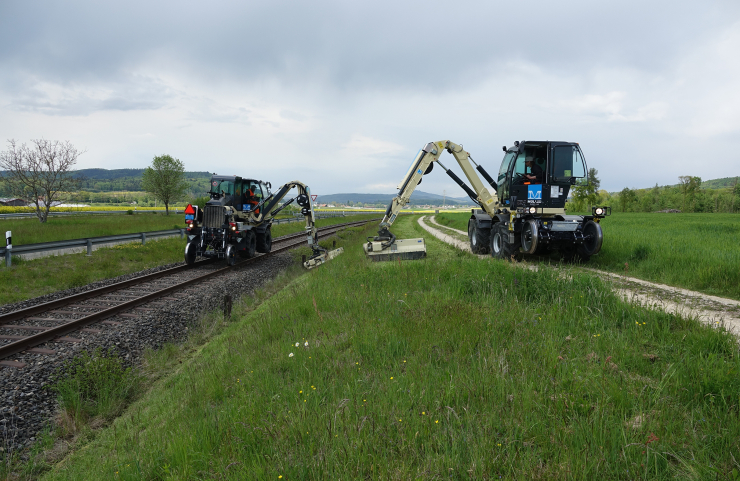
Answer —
(711, 310)
(26, 403)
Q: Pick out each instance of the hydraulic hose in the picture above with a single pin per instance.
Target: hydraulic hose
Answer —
(485, 175)
(473, 196)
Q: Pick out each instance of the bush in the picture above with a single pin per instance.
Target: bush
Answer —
(129, 212)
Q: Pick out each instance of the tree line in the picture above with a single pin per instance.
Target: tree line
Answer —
(686, 196)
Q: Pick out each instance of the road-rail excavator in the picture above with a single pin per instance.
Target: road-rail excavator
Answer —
(523, 214)
(237, 220)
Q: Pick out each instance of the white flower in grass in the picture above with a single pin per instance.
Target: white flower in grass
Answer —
(305, 343)
(290, 355)
(297, 344)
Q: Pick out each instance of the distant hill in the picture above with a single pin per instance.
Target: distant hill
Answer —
(417, 198)
(720, 183)
(104, 180)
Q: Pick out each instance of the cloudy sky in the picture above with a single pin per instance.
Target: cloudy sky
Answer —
(342, 94)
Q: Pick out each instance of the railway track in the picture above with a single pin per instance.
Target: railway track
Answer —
(38, 329)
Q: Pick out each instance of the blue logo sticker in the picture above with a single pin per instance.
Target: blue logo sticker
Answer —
(534, 192)
(418, 171)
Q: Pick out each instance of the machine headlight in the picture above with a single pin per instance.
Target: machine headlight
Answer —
(532, 210)
(599, 211)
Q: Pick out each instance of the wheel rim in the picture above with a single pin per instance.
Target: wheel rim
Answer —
(527, 237)
(497, 243)
(474, 237)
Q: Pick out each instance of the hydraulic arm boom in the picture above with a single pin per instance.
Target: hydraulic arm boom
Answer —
(268, 210)
(423, 164)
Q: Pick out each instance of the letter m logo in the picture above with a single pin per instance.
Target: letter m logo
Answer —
(534, 192)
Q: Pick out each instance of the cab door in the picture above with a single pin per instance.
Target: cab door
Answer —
(504, 177)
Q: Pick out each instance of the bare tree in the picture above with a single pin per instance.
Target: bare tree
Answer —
(41, 172)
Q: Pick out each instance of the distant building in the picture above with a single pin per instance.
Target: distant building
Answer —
(14, 202)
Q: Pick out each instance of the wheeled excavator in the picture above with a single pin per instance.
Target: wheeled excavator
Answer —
(524, 213)
(237, 220)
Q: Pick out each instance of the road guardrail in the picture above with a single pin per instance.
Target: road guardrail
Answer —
(143, 236)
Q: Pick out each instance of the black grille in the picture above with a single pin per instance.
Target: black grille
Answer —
(213, 216)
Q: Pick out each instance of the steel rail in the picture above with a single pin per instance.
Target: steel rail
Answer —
(30, 311)
(52, 333)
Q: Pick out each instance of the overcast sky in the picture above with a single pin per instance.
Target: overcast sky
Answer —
(342, 94)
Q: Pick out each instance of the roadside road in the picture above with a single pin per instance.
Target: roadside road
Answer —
(711, 310)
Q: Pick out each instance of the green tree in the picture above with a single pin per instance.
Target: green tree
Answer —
(689, 187)
(587, 190)
(626, 198)
(165, 179)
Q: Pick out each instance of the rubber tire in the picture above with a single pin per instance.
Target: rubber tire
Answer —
(230, 255)
(264, 241)
(251, 246)
(594, 246)
(529, 239)
(500, 246)
(190, 251)
(479, 238)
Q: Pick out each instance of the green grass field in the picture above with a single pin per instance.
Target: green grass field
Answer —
(451, 367)
(694, 251)
(32, 278)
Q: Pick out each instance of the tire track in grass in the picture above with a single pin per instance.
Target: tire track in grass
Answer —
(711, 310)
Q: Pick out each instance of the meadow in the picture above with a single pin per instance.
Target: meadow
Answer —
(694, 251)
(32, 278)
(451, 367)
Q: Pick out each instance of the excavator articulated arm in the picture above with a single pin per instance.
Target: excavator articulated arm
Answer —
(269, 209)
(385, 246)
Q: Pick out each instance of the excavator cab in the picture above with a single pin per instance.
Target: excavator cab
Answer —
(539, 174)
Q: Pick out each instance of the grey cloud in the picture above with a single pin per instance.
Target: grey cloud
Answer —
(349, 45)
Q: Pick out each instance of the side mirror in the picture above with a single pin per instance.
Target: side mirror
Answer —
(572, 181)
(504, 148)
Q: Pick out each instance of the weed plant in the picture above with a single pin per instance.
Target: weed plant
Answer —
(694, 251)
(451, 367)
(94, 384)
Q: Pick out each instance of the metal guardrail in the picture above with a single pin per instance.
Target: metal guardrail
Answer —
(24, 215)
(143, 236)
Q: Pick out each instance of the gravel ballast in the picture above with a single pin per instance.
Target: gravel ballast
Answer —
(27, 404)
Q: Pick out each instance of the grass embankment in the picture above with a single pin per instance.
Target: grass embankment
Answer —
(450, 367)
(694, 251)
(33, 278)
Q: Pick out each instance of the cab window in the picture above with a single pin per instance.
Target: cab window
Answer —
(256, 191)
(222, 187)
(567, 162)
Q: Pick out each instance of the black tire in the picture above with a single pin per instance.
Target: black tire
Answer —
(595, 237)
(479, 238)
(230, 255)
(529, 238)
(251, 246)
(498, 241)
(264, 241)
(191, 249)
(500, 246)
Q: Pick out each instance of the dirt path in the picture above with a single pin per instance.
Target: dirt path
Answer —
(711, 310)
